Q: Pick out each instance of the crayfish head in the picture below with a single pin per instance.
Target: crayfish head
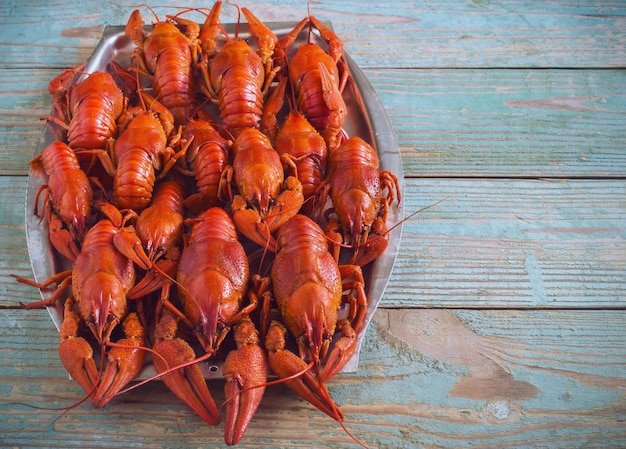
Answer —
(316, 324)
(102, 304)
(212, 306)
(356, 211)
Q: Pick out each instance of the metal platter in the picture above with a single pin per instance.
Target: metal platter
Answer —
(366, 118)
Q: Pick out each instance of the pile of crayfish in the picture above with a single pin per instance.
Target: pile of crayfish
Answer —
(212, 207)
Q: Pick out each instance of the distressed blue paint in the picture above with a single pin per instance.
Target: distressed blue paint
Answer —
(472, 112)
(533, 269)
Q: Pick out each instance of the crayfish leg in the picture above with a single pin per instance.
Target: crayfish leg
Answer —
(63, 279)
(356, 298)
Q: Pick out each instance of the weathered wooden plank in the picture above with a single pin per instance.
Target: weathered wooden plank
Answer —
(24, 99)
(427, 379)
(14, 253)
(506, 123)
(448, 123)
(409, 34)
(504, 243)
(491, 243)
(29, 344)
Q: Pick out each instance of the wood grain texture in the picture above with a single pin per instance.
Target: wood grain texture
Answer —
(506, 243)
(427, 379)
(506, 123)
(503, 322)
(490, 243)
(448, 123)
(453, 33)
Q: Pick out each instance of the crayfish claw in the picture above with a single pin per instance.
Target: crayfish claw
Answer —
(286, 365)
(124, 361)
(251, 224)
(128, 243)
(245, 371)
(75, 352)
(135, 27)
(187, 382)
(211, 29)
(342, 351)
(267, 40)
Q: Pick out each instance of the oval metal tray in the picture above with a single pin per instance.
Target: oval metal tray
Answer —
(366, 118)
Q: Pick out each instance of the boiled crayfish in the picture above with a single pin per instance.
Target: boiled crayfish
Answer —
(318, 78)
(357, 188)
(168, 55)
(200, 171)
(235, 76)
(101, 277)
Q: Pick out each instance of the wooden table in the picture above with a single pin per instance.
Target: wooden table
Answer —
(503, 322)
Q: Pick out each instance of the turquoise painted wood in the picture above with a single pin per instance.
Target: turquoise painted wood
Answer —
(558, 123)
(427, 378)
(452, 33)
(490, 243)
(503, 321)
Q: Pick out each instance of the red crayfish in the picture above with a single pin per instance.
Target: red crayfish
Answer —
(201, 167)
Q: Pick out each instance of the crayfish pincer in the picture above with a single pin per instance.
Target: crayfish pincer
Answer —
(245, 371)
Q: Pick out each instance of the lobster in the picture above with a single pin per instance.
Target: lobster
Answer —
(308, 286)
(266, 199)
(68, 197)
(209, 154)
(101, 276)
(235, 77)
(318, 79)
(212, 281)
(356, 188)
(88, 110)
(169, 55)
